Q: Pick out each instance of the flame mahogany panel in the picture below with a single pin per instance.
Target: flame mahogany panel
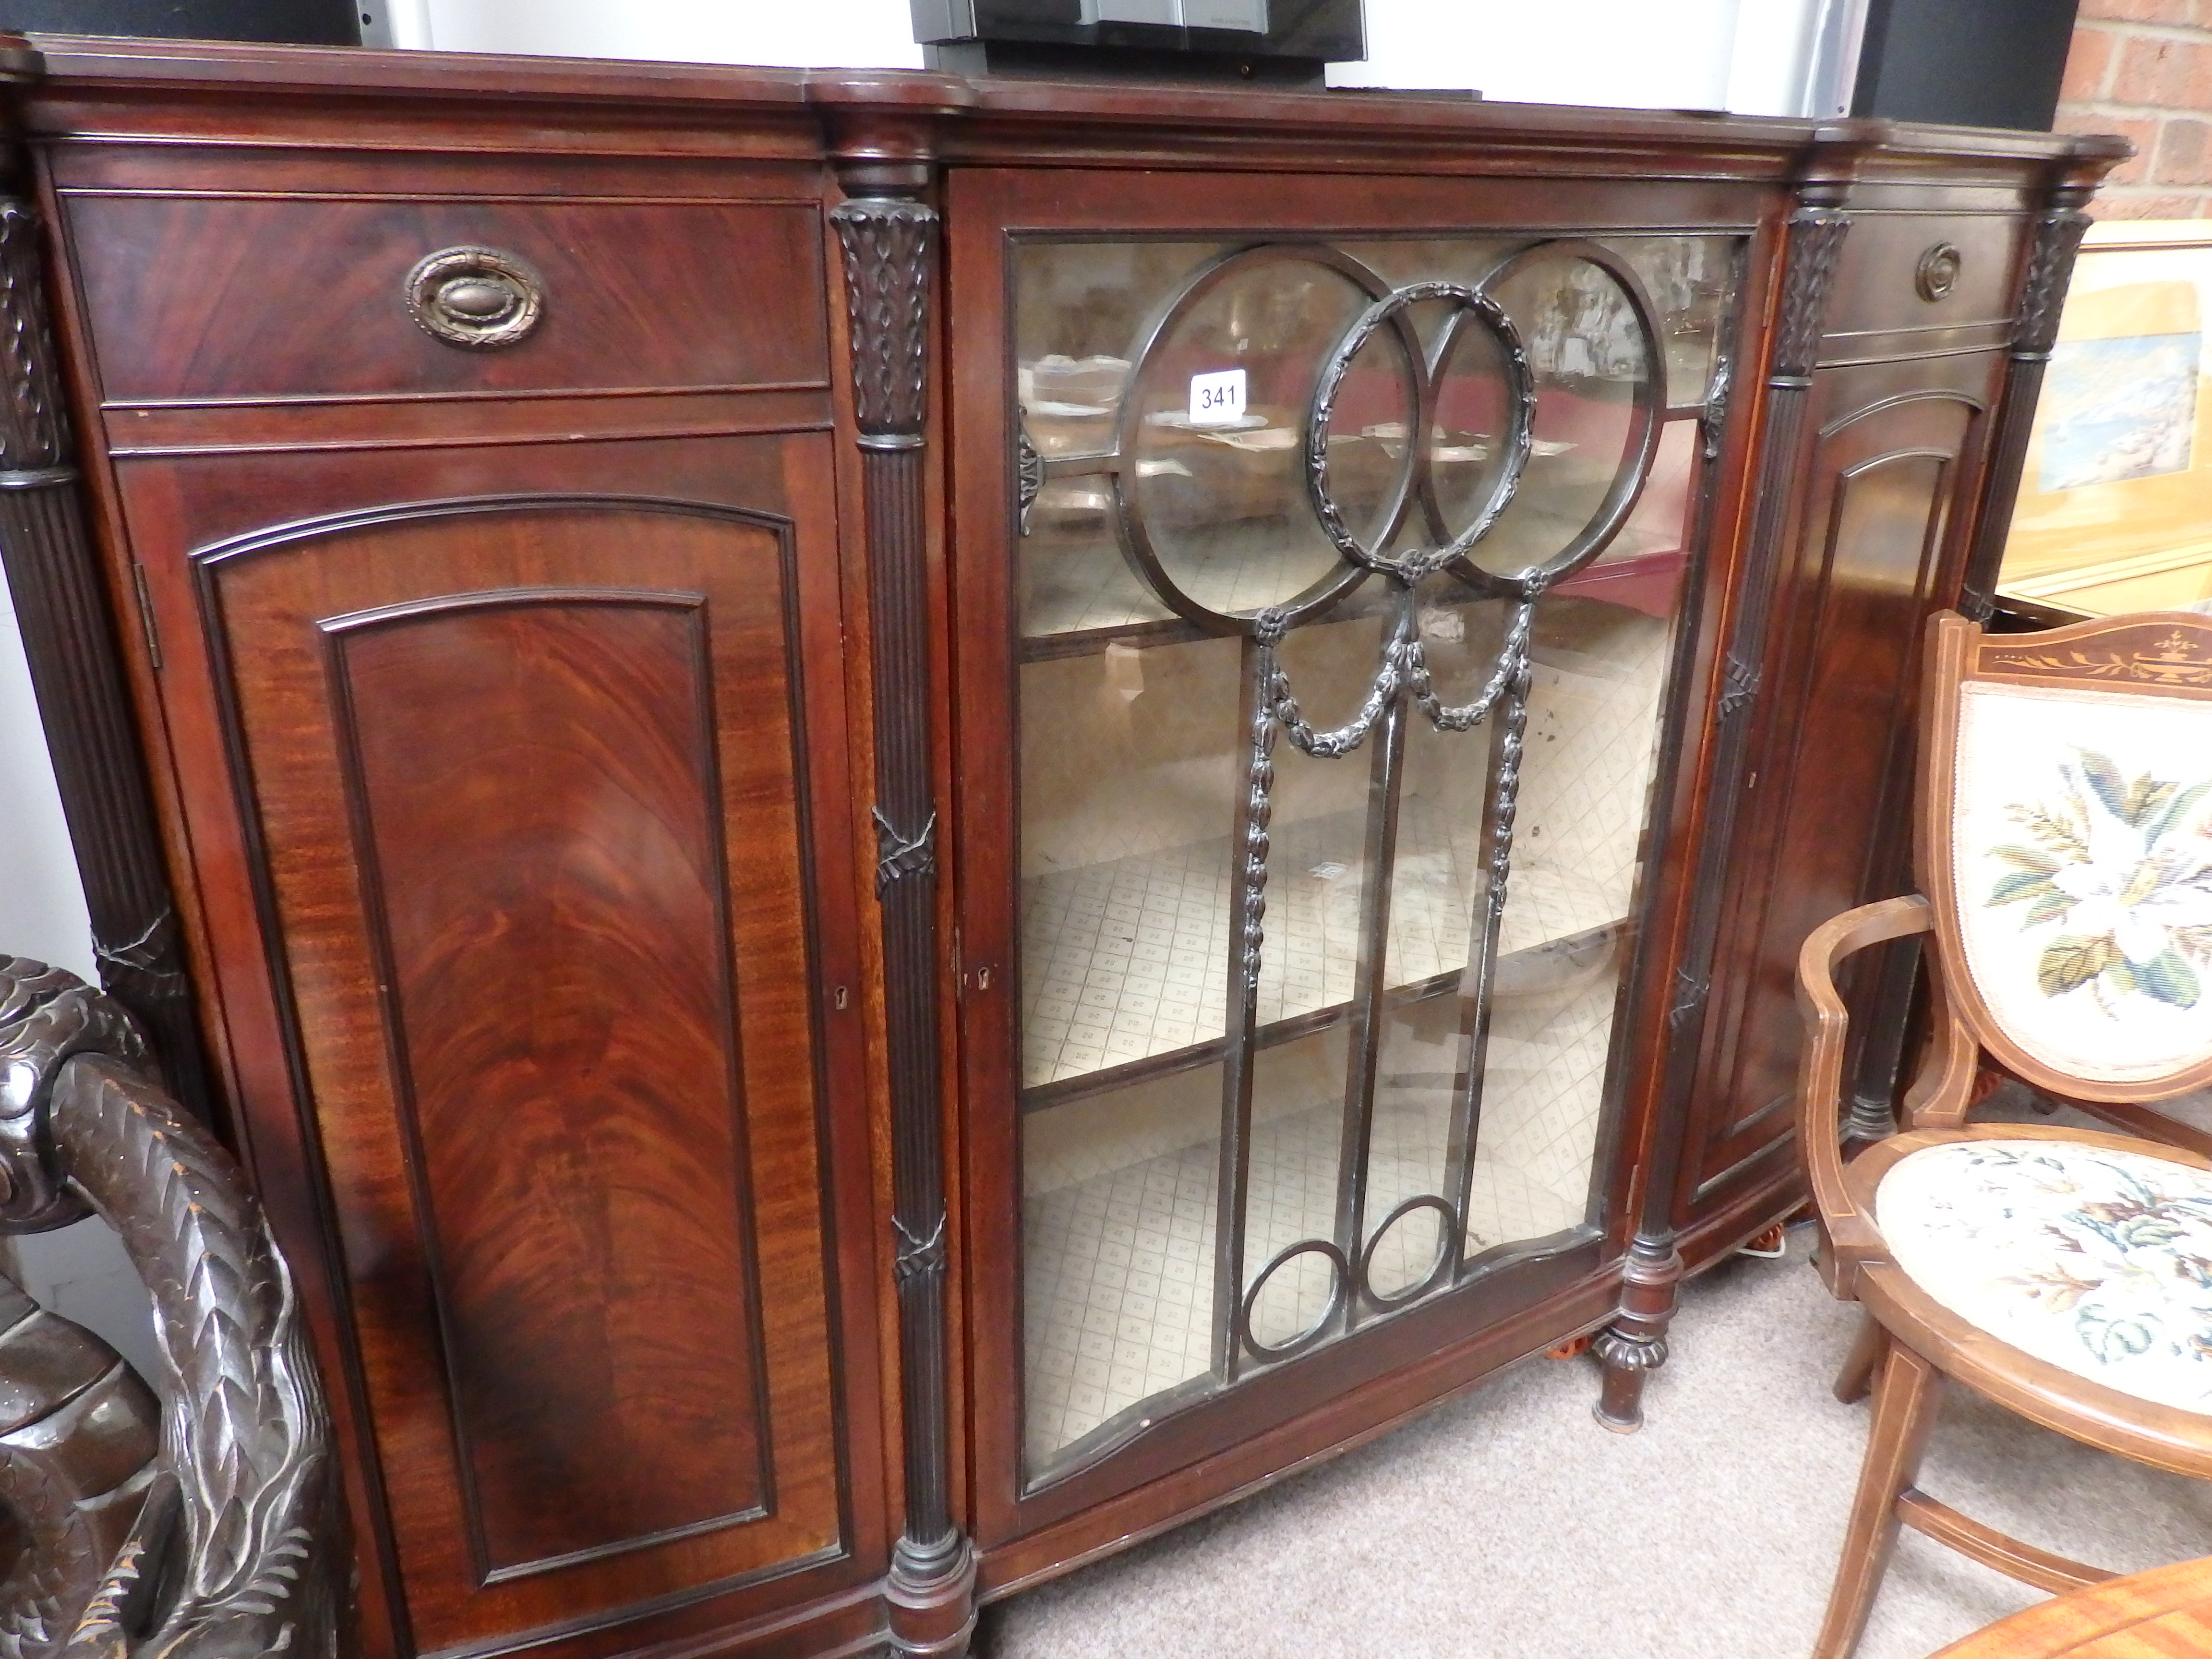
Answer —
(550, 876)
(526, 773)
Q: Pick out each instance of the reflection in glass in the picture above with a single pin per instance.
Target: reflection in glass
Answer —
(1424, 1075)
(1691, 280)
(1223, 496)
(1589, 362)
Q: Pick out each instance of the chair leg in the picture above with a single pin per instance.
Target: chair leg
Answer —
(1904, 1401)
(1856, 1376)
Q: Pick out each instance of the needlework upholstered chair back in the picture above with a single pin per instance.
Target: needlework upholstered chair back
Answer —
(2066, 846)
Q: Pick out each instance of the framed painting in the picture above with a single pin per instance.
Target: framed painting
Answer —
(2115, 507)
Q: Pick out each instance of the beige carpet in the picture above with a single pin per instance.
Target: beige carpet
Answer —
(1506, 1524)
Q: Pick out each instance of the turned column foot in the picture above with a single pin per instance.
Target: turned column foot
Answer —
(932, 1599)
(1635, 1344)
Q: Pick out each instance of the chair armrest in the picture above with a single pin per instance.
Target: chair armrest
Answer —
(1851, 1233)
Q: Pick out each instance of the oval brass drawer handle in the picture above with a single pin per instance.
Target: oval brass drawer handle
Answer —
(1938, 273)
(477, 297)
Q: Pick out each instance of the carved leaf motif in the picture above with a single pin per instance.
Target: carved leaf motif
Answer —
(33, 432)
(1816, 238)
(245, 1439)
(888, 247)
(2050, 269)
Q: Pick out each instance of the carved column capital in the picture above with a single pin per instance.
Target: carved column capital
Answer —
(889, 244)
(34, 436)
(2058, 236)
(1815, 241)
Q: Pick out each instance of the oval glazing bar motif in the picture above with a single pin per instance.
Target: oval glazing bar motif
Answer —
(1390, 549)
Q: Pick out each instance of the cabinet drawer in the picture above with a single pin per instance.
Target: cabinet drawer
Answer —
(1892, 276)
(197, 298)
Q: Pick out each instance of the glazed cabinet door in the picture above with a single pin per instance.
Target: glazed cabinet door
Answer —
(1308, 820)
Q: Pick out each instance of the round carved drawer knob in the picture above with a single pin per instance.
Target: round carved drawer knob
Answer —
(1939, 271)
(477, 297)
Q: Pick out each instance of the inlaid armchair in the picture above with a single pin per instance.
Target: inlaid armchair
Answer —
(194, 1525)
(2064, 851)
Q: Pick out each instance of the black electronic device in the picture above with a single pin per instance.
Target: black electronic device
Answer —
(297, 22)
(1965, 62)
(1250, 39)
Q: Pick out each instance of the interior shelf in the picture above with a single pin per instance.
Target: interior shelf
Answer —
(1128, 962)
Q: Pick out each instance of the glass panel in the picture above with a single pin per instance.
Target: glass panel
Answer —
(1297, 1128)
(1223, 491)
(1317, 859)
(1590, 361)
(1691, 281)
(1083, 305)
(1118, 1194)
(1567, 935)
(1131, 757)
(1443, 845)
(1420, 1080)
(1422, 1095)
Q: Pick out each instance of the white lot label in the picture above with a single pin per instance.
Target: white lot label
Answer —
(1217, 399)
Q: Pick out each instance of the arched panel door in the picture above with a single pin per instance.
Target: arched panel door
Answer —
(1825, 798)
(525, 788)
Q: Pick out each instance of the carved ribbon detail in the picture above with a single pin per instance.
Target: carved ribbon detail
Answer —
(918, 1255)
(229, 1554)
(1742, 682)
(899, 855)
(1029, 473)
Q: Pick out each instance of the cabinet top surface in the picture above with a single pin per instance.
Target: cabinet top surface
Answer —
(67, 73)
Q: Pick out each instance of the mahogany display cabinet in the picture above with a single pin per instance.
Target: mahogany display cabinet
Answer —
(911, 823)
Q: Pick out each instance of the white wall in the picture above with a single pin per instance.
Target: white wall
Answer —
(824, 33)
(80, 1271)
(41, 904)
(1745, 55)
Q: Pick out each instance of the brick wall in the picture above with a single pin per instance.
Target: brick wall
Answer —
(2143, 69)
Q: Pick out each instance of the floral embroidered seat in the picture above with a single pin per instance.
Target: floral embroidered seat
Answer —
(2096, 1260)
(2064, 848)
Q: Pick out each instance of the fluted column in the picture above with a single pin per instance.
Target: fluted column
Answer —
(78, 672)
(1635, 1344)
(889, 240)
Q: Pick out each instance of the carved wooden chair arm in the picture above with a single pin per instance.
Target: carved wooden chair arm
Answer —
(1851, 1233)
(231, 1552)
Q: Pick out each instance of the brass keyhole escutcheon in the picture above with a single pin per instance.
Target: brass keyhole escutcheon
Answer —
(476, 297)
(1938, 271)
